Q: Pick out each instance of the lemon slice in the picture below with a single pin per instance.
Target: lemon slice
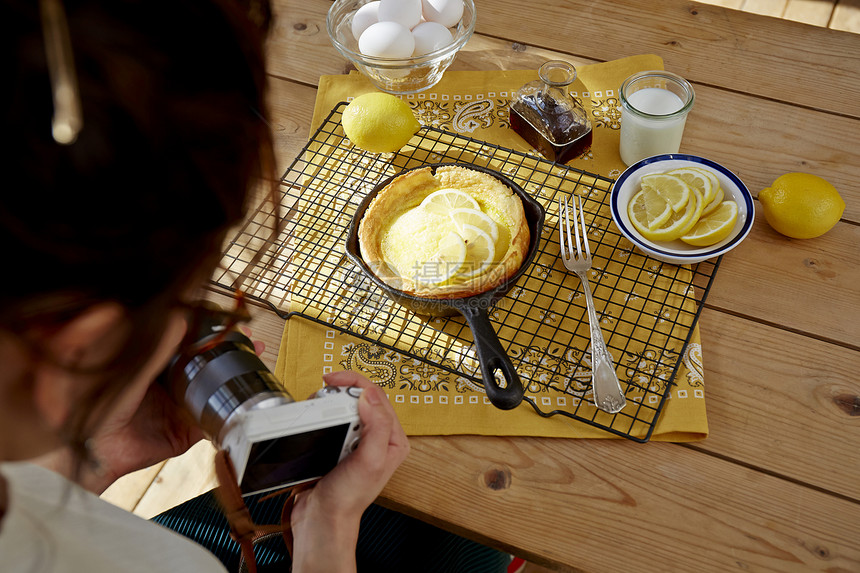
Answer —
(697, 212)
(480, 251)
(677, 225)
(673, 189)
(697, 179)
(718, 198)
(443, 200)
(463, 216)
(648, 210)
(446, 262)
(715, 227)
(715, 182)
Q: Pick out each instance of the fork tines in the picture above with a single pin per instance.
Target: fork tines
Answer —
(579, 218)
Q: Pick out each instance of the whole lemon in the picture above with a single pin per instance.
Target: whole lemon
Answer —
(801, 205)
(379, 122)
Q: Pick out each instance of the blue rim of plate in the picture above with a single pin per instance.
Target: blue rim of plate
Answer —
(631, 235)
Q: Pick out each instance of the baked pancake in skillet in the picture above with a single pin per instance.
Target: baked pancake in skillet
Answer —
(454, 233)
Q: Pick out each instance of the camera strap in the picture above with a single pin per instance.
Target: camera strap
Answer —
(243, 530)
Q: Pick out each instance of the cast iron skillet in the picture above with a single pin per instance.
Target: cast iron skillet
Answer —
(491, 355)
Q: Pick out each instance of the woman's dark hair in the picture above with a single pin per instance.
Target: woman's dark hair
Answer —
(135, 210)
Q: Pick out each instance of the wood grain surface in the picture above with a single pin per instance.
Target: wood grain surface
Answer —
(776, 485)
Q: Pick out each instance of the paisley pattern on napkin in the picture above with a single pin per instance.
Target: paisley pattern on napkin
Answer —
(430, 398)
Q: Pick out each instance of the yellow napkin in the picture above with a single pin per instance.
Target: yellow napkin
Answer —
(430, 400)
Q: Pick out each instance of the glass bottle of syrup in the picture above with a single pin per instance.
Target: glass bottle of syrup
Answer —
(545, 114)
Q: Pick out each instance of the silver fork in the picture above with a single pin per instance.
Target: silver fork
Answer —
(607, 391)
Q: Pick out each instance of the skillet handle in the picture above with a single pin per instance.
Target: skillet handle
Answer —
(493, 358)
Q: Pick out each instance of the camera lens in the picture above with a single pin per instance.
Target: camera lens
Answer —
(220, 382)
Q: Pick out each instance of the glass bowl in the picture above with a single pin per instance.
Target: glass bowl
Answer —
(678, 252)
(396, 76)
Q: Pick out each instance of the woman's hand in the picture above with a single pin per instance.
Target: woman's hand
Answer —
(143, 426)
(325, 519)
(131, 440)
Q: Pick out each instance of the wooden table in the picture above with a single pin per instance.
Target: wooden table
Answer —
(776, 485)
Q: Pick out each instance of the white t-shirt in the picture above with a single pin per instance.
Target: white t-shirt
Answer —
(52, 526)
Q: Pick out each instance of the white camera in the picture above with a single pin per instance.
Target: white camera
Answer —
(272, 440)
(293, 443)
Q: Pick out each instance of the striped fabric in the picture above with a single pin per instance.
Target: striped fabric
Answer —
(388, 541)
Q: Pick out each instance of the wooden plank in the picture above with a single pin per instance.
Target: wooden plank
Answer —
(299, 47)
(780, 413)
(815, 12)
(127, 491)
(807, 285)
(690, 37)
(846, 16)
(532, 568)
(181, 479)
(734, 4)
(614, 506)
(485, 53)
(291, 108)
(773, 8)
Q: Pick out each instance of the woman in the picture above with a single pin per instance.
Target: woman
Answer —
(136, 129)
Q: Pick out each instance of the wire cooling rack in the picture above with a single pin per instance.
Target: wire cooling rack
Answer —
(647, 309)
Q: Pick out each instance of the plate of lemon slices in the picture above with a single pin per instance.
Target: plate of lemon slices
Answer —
(681, 209)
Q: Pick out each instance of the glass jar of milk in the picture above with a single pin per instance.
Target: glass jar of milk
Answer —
(654, 108)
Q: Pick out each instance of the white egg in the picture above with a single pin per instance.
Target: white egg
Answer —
(386, 40)
(405, 12)
(364, 17)
(446, 12)
(429, 37)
